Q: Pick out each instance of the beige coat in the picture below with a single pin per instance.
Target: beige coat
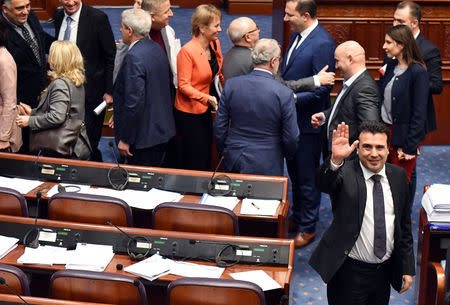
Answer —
(9, 131)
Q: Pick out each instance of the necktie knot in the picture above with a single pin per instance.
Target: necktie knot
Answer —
(376, 178)
(68, 20)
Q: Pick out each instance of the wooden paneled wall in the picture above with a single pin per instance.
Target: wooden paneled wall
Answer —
(367, 22)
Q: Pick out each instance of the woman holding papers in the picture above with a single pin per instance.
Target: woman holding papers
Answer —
(199, 62)
(66, 88)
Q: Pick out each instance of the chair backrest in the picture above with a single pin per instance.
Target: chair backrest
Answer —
(197, 218)
(15, 278)
(207, 291)
(99, 287)
(12, 203)
(88, 208)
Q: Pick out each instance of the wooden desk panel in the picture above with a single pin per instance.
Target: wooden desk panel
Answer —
(8, 298)
(281, 274)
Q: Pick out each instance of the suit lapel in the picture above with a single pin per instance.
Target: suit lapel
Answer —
(83, 27)
(59, 16)
(21, 44)
(362, 191)
(396, 192)
(304, 45)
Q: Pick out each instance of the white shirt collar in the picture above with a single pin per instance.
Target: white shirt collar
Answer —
(350, 81)
(75, 16)
(264, 70)
(417, 34)
(368, 173)
(308, 30)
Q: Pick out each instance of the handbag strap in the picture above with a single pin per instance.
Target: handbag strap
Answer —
(70, 98)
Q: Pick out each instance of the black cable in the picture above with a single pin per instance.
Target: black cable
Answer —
(222, 263)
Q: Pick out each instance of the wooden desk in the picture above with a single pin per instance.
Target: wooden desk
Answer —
(432, 247)
(281, 273)
(12, 299)
(271, 226)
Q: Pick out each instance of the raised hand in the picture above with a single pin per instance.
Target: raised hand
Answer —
(340, 147)
(325, 78)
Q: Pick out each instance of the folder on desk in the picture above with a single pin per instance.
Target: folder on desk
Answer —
(259, 207)
(228, 202)
(436, 204)
(258, 277)
(7, 244)
(23, 186)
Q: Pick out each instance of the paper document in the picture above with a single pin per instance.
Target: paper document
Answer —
(44, 255)
(150, 268)
(90, 257)
(195, 270)
(259, 277)
(23, 186)
(259, 207)
(221, 201)
(7, 244)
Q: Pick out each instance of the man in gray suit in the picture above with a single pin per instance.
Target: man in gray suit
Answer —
(357, 101)
(244, 33)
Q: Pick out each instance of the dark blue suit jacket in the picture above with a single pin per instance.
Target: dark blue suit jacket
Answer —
(142, 105)
(316, 51)
(410, 93)
(256, 123)
(31, 77)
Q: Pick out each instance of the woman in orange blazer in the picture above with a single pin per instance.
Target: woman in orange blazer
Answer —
(199, 62)
(10, 133)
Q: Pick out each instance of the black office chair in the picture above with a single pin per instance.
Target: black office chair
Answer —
(12, 203)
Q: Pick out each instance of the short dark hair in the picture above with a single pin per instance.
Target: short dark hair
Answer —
(414, 9)
(3, 32)
(374, 127)
(306, 6)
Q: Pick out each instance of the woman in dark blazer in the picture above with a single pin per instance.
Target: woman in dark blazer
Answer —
(67, 73)
(199, 62)
(405, 89)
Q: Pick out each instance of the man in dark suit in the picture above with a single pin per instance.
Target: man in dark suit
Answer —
(359, 99)
(143, 119)
(369, 244)
(310, 49)
(89, 28)
(28, 44)
(409, 14)
(256, 121)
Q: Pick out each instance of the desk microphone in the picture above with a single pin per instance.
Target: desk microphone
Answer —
(214, 188)
(117, 176)
(36, 162)
(3, 282)
(31, 239)
(133, 243)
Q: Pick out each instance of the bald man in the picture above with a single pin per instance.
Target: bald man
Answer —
(358, 99)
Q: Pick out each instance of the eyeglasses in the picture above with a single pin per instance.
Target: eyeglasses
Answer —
(252, 31)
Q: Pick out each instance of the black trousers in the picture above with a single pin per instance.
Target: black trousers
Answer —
(359, 283)
(150, 156)
(196, 139)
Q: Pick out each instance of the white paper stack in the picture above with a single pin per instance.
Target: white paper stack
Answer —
(259, 277)
(259, 207)
(7, 244)
(221, 201)
(90, 257)
(150, 268)
(23, 186)
(44, 255)
(436, 203)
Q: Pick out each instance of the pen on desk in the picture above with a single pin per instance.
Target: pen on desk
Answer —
(255, 205)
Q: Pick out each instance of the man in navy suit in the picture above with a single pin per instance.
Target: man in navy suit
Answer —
(310, 49)
(256, 122)
(90, 30)
(143, 119)
(28, 44)
(409, 14)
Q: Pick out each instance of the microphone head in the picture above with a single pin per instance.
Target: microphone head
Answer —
(136, 282)
(2, 281)
(61, 189)
(38, 195)
(119, 267)
(111, 144)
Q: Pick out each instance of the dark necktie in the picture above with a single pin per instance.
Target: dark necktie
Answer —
(293, 47)
(31, 43)
(379, 243)
(68, 29)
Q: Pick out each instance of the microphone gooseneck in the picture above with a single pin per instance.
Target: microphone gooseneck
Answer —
(3, 282)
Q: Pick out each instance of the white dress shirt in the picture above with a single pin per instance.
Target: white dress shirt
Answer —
(73, 26)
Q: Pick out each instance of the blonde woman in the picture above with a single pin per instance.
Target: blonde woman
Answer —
(66, 73)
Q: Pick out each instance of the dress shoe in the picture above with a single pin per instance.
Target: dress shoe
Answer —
(293, 226)
(302, 239)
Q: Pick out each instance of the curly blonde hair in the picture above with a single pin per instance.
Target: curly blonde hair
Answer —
(65, 60)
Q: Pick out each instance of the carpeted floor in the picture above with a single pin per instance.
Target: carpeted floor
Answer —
(306, 287)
